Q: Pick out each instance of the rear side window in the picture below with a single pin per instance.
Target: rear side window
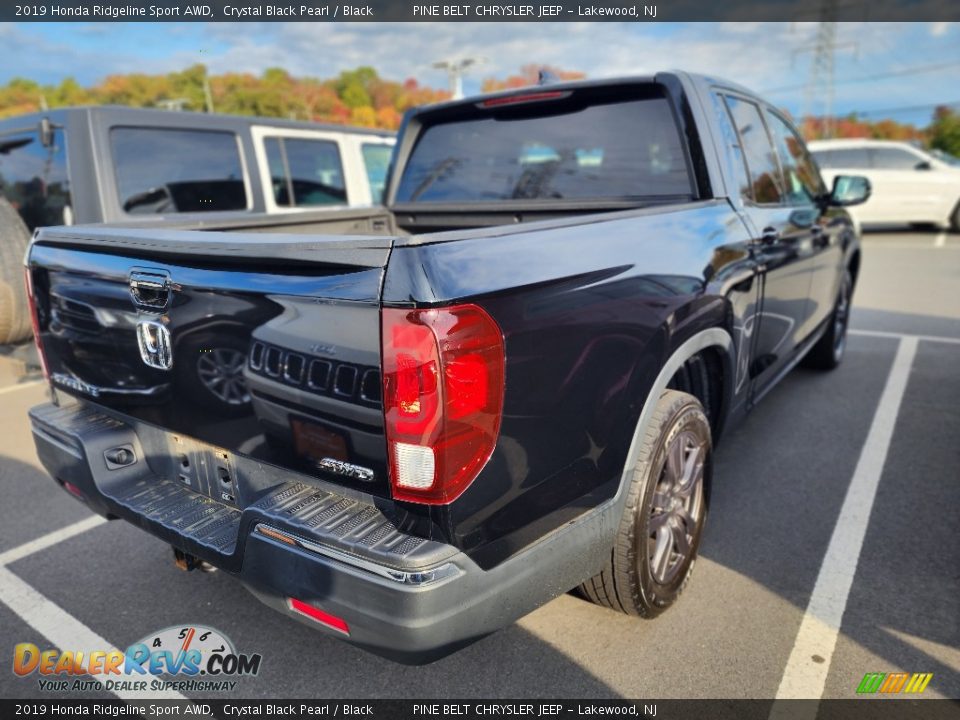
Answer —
(161, 170)
(376, 159)
(891, 158)
(305, 172)
(34, 180)
(843, 158)
(551, 150)
(765, 183)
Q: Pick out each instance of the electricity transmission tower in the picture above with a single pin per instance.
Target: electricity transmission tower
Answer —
(820, 84)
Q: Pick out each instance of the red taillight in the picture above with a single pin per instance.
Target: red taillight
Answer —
(35, 321)
(315, 613)
(443, 379)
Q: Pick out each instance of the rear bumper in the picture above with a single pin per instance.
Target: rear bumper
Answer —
(401, 596)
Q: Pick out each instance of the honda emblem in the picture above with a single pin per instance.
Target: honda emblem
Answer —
(153, 338)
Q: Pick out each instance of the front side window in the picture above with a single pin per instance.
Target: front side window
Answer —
(305, 172)
(623, 150)
(765, 182)
(802, 181)
(162, 170)
(376, 159)
(34, 179)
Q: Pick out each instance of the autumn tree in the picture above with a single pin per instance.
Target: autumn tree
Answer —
(529, 75)
(945, 131)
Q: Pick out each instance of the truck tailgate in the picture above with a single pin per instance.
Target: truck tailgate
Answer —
(265, 346)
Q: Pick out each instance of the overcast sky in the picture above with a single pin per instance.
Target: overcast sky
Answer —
(764, 56)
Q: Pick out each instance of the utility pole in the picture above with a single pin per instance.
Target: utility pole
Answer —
(455, 72)
(207, 95)
(822, 65)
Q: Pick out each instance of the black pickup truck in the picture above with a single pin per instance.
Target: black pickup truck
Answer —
(505, 384)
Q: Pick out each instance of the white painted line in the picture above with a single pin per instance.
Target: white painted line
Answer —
(50, 539)
(902, 336)
(803, 676)
(21, 386)
(941, 240)
(61, 628)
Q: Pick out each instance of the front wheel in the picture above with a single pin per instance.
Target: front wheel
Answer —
(828, 352)
(656, 545)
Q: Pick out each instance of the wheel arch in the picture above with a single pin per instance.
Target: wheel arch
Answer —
(714, 341)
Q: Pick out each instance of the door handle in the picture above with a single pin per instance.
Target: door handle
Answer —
(820, 238)
(769, 236)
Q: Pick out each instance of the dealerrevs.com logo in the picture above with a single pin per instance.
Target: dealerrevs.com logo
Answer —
(181, 658)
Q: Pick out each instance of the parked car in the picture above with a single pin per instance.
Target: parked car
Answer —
(910, 185)
(108, 164)
(506, 383)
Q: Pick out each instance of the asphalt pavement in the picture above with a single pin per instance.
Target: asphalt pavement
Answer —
(874, 445)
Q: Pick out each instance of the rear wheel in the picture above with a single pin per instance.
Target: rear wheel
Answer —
(14, 310)
(659, 533)
(828, 352)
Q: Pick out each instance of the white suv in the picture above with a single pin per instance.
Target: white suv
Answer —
(909, 184)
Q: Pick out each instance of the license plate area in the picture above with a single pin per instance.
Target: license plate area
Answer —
(205, 469)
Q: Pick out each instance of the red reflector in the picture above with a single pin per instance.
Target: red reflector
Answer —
(528, 97)
(74, 490)
(443, 382)
(319, 615)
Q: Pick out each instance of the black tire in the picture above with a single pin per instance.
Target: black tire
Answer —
(15, 322)
(632, 580)
(955, 219)
(829, 350)
(205, 359)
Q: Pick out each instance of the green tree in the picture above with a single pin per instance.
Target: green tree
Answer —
(945, 131)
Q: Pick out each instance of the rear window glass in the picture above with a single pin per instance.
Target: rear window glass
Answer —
(163, 170)
(618, 150)
(33, 178)
(304, 172)
(376, 159)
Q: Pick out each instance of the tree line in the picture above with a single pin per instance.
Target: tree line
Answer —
(361, 97)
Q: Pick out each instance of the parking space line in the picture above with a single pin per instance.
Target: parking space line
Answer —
(805, 674)
(901, 336)
(941, 239)
(50, 539)
(61, 628)
(21, 386)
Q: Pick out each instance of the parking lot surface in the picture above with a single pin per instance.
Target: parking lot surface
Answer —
(830, 549)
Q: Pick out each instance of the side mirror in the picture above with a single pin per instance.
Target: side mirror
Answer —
(849, 190)
(923, 165)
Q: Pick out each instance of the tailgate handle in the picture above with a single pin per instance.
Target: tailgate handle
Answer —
(150, 290)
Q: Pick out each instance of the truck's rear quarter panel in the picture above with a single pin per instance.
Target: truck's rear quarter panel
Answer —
(590, 310)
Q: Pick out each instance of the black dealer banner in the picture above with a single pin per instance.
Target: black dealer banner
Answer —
(476, 11)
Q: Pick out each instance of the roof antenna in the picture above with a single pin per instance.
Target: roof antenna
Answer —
(546, 76)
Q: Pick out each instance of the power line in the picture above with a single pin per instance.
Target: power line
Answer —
(903, 109)
(917, 70)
